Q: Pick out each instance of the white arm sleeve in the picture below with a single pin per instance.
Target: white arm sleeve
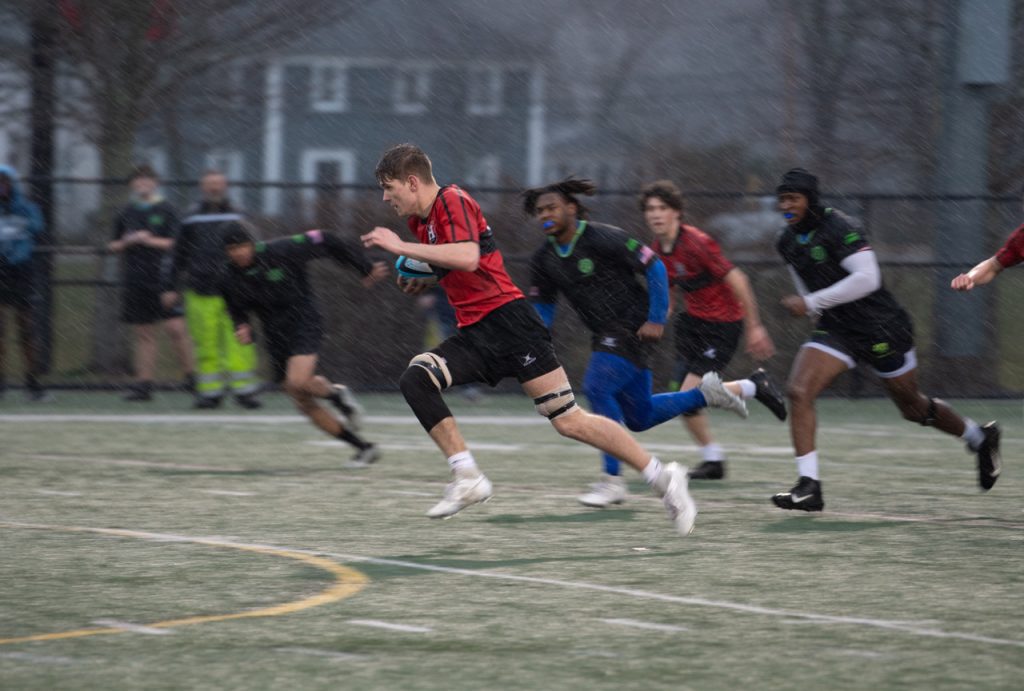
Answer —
(797, 281)
(864, 279)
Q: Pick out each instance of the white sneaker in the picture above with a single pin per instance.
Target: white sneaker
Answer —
(460, 493)
(350, 407)
(610, 490)
(718, 396)
(364, 457)
(675, 495)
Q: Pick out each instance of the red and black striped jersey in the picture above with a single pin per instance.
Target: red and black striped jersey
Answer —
(456, 217)
(1012, 251)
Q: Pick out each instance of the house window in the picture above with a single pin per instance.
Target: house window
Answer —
(485, 91)
(323, 170)
(231, 163)
(328, 88)
(232, 81)
(412, 87)
(485, 171)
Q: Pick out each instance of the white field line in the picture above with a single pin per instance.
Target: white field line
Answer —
(425, 445)
(58, 493)
(646, 625)
(227, 492)
(132, 462)
(330, 654)
(45, 659)
(132, 628)
(867, 622)
(373, 623)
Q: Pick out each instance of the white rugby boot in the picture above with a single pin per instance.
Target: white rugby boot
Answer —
(718, 396)
(673, 486)
(461, 492)
(611, 489)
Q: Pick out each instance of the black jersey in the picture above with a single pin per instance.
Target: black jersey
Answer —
(276, 285)
(143, 265)
(815, 250)
(598, 274)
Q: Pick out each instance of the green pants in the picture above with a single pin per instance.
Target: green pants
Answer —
(218, 352)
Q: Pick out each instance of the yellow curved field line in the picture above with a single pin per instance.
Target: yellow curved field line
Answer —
(347, 582)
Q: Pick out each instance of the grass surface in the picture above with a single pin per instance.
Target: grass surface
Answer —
(910, 579)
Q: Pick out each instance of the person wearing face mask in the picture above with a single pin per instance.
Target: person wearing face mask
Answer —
(144, 235)
(839, 286)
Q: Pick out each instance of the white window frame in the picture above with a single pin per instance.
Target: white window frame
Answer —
(485, 90)
(484, 171)
(411, 90)
(346, 160)
(337, 73)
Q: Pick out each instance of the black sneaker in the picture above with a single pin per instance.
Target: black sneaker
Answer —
(768, 394)
(248, 401)
(708, 470)
(989, 463)
(140, 392)
(804, 496)
(207, 402)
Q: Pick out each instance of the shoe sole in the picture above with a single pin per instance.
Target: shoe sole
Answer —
(446, 516)
(605, 505)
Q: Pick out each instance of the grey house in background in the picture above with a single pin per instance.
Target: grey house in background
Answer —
(322, 111)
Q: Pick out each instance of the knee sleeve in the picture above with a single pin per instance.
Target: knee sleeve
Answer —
(555, 403)
(929, 417)
(436, 367)
(424, 396)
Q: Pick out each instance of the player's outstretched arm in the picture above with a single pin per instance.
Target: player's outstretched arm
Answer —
(458, 256)
(981, 274)
(759, 343)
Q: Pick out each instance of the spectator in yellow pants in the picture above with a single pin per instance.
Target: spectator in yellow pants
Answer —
(222, 363)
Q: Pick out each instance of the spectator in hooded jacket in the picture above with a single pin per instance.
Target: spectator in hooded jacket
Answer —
(20, 225)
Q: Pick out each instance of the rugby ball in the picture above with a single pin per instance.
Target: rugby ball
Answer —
(413, 268)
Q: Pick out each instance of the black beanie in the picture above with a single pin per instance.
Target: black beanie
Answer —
(236, 234)
(800, 181)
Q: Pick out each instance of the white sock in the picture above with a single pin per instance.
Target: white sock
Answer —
(712, 452)
(972, 434)
(747, 388)
(463, 463)
(807, 465)
(652, 470)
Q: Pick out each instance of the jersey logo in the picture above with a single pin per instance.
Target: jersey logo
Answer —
(818, 253)
(851, 238)
(586, 266)
(156, 220)
(431, 235)
(679, 268)
(880, 349)
(710, 353)
(275, 275)
(528, 359)
(609, 342)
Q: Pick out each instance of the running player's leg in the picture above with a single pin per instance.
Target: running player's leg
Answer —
(603, 381)
(642, 410)
(553, 398)
(816, 366)
(453, 362)
(304, 387)
(931, 412)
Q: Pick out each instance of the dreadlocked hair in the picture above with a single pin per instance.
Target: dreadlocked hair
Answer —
(567, 188)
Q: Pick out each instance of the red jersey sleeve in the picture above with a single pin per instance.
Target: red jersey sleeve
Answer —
(711, 257)
(1012, 251)
(459, 219)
